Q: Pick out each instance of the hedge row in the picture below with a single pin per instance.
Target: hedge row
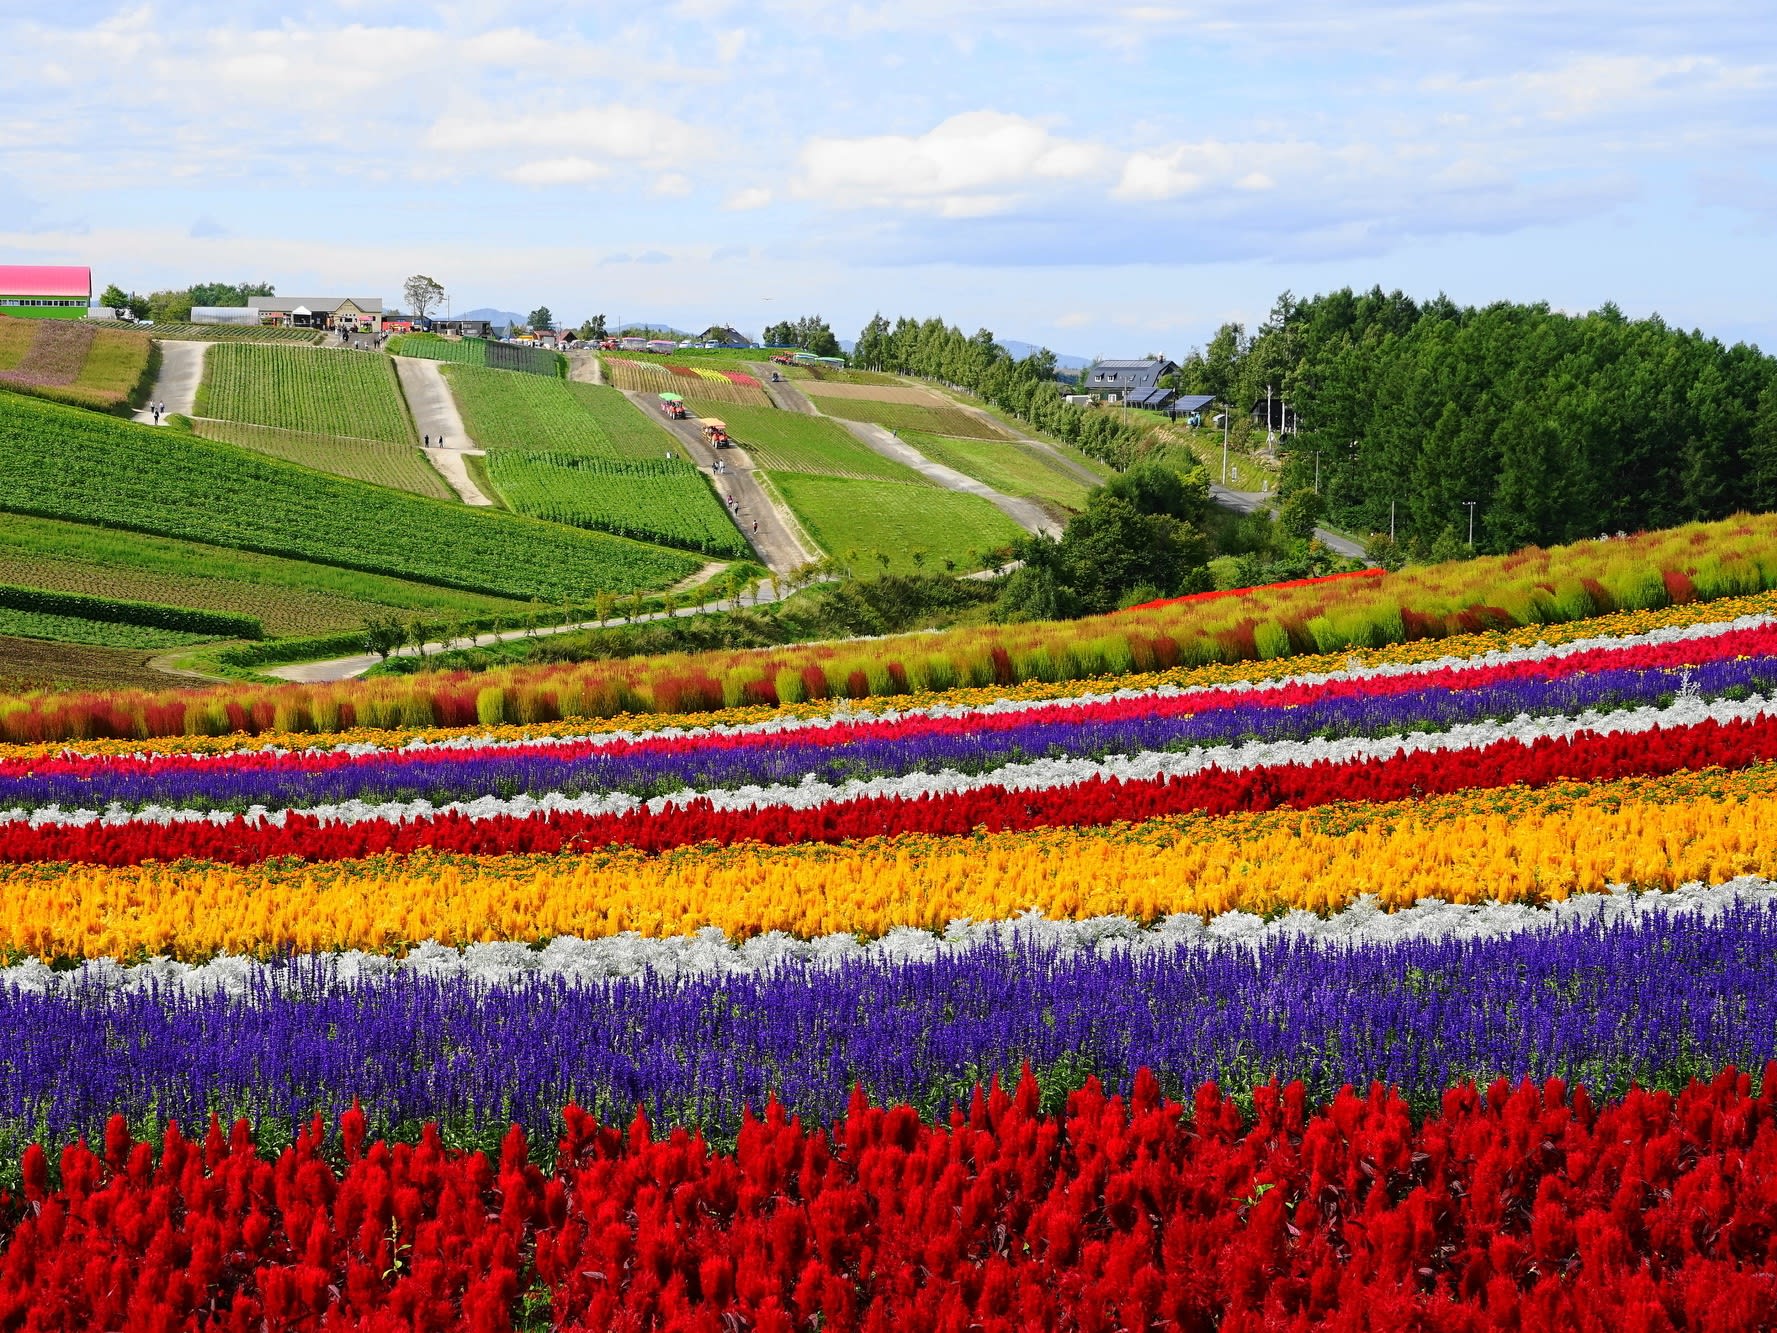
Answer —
(116, 611)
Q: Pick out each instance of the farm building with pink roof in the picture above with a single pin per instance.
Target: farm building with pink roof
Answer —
(56, 291)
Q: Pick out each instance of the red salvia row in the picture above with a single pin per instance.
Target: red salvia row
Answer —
(1587, 757)
(1220, 593)
(1758, 641)
(1525, 1209)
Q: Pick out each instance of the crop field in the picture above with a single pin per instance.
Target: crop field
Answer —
(479, 352)
(699, 384)
(794, 442)
(821, 391)
(317, 391)
(912, 416)
(80, 362)
(37, 664)
(845, 375)
(286, 596)
(59, 463)
(399, 466)
(238, 333)
(99, 633)
(876, 518)
(650, 500)
(1007, 466)
(583, 455)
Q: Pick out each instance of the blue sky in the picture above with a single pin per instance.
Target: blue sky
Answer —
(1116, 179)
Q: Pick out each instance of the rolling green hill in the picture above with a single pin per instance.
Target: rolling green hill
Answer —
(314, 390)
(58, 462)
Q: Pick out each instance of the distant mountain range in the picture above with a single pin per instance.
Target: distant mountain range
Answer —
(1064, 362)
(502, 318)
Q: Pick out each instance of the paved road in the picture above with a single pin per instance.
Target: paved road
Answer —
(181, 371)
(436, 417)
(344, 668)
(1027, 514)
(1245, 502)
(778, 542)
(785, 396)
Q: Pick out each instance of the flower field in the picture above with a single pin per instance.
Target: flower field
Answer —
(1416, 985)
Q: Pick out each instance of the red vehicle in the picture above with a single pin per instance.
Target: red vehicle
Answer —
(608, 345)
(784, 359)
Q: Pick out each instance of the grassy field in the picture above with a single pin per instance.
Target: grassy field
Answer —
(286, 596)
(583, 455)
(400, 466)
(248, 333)
(317, 391)
(99, 633)
(821, 391)
(32, 664)
(1007, 466)
(913, 416)
(698, 384)
(86, 363)
(60, 463)
(837, 375)
(892, 519)
(793, 442)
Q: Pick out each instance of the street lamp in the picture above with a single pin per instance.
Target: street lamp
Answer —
(1471, 523)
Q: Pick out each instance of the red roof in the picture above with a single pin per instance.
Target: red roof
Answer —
(44, 280)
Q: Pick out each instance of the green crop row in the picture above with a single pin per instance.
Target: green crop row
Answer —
(59, 463)
(225, 333)
(318, 391)
(1006, 465)
(287, 596)
(92, 633)
(480, 352)
(652, 500)
(401, 466)
(912, 416)
(581, 454)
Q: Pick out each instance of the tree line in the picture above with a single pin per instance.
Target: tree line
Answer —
(1555, 426)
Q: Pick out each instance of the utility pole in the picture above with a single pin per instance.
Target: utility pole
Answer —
(1391, 520)
(1227, 411)
(1471, 523)
(1317, 472)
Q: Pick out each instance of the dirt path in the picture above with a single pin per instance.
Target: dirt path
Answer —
(785, 396)
(1027, 514)
(344, 668)
(181, 371)
(778, 544)
(436, 418)
(584, 367)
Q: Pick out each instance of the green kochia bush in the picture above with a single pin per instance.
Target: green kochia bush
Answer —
(117, 611)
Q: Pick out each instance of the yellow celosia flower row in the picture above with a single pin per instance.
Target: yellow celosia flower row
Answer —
(1421, 650)
(1512, 844)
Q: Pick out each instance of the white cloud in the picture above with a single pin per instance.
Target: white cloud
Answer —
(673, 185)
(1074, 319)
(971, 165)
(742, 201)
(558, 171)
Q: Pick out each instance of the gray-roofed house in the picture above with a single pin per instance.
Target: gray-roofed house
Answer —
(1121, 379)
(364, 313)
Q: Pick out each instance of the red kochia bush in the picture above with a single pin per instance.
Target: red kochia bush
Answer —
(1525, 1208)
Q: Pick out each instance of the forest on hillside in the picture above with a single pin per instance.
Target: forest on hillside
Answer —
(1557, 426)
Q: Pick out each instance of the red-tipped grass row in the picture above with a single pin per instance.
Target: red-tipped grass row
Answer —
(1528, 1208)
(1700, 562)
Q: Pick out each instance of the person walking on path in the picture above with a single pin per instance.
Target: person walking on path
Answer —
(426, 441)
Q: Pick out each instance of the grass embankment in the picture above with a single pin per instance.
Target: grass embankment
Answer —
(897, 526)
(583, 455)
(912, 417)
(1007, 466)
(784, 442)
(480, 352)
(60, 463)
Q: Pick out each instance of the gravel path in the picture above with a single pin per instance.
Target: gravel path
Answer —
(785, 396)
(181, 371)
(436, 417)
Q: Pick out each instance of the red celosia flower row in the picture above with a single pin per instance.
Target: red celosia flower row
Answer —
(1586, 757)
(1525, 1209)
(1263, 587)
